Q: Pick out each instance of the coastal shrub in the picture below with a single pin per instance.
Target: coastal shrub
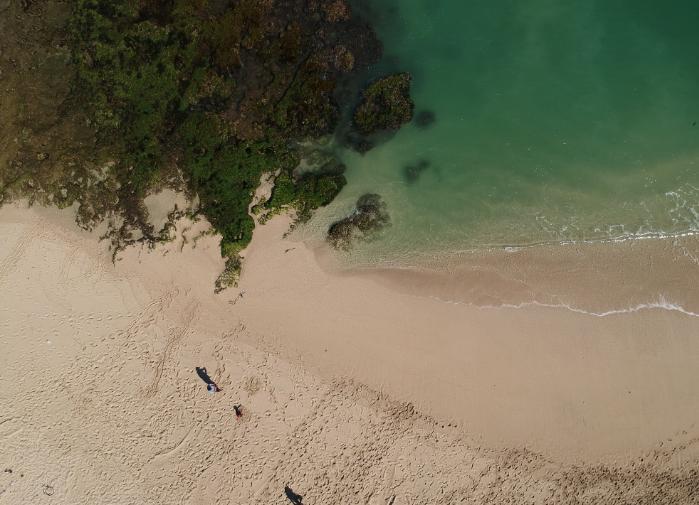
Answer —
(309, 192)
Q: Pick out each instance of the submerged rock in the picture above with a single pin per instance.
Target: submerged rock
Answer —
(425, 118)
(332, 167)
(370, 216)
(358, 142)
(412, 172)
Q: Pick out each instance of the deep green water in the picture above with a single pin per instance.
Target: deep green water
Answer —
(555, 120)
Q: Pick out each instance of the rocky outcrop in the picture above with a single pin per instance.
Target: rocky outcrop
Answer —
(370, 216)
(385, 105)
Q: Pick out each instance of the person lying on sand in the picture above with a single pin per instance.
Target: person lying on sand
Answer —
(211, 386)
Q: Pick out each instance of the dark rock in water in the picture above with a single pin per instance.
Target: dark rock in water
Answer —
(425, 118)
(332, 167)
(318, 160)
(385, 105)
(369, 216)
(412, 172)
(358, 142)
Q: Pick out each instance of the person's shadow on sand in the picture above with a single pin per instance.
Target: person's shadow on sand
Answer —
(203, 375)
(293, 497)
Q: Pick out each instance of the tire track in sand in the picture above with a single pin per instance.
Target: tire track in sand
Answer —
(189, 318)
(9, 262)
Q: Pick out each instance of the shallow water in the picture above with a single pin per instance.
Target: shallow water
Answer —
(554, 121)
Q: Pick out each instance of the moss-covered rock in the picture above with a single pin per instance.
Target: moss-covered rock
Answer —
(369, 216)
(306, 192)
(385, 105)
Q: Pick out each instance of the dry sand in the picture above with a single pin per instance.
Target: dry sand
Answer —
(99, 402)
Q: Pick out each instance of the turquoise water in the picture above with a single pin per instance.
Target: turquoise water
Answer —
(555, 120)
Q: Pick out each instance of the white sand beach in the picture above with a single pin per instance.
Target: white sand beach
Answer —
(353, 389)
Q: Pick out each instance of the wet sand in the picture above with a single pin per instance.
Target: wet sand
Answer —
(574, 385)
(597, 278)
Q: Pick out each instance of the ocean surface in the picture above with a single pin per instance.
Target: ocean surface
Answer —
(554, 121)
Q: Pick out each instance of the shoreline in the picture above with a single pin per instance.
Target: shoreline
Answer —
(328, 367)
(398, 317)
(598, 279)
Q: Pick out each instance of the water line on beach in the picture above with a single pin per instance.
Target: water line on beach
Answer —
(661, 304)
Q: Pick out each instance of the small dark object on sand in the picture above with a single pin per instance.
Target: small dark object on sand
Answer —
(8, 470)
(238, 410)
(293, 497)
(425, 118)
(211, 386)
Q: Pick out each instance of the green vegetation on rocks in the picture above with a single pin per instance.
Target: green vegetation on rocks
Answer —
(368, 218)
(204, 96)
(385, 105)
(183, 83)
